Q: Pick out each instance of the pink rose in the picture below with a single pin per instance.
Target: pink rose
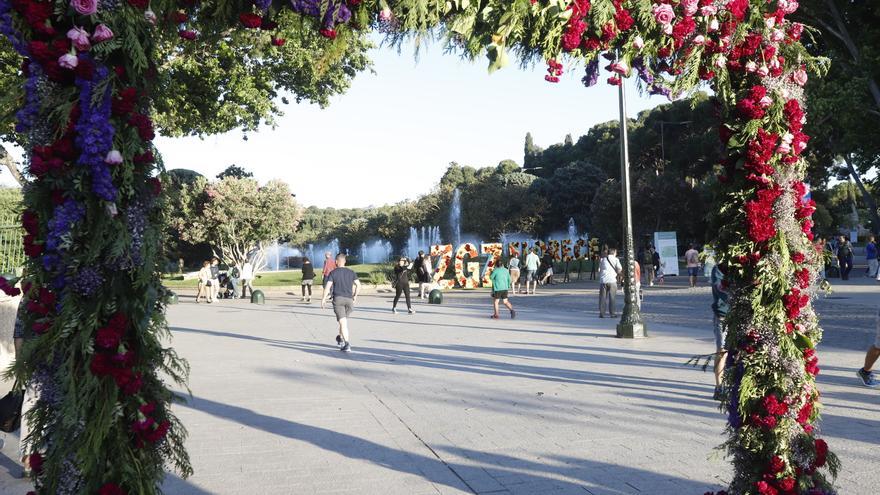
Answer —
(721, 61)
(638, 42)
(708, 10)
(114, 157)
(713, 25)
(150, 16)
(770, 22)
(788, 6)
(84, 7)
(68, 61)
(765, 102)
(663, 14)
(751, 66)
(800, 76)
(620, 68)
(699, 39)
(690, 6)
(102, 33)
(763, 71)
(385, 15)
(80, 39)
(776, 36)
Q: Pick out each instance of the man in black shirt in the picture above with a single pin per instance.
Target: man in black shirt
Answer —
(345, 286)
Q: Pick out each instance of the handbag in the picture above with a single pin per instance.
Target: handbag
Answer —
(10, 411)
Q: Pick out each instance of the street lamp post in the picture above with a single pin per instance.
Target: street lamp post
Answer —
(631, 325)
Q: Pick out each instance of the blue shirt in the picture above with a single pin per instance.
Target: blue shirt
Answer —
(871, 251)
(720, 297)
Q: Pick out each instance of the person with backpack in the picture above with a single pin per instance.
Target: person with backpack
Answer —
(609, 270)
(308, 279)
(845, 257)
(720, 307)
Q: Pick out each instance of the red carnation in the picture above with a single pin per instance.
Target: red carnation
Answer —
(328, 33)
(624, 20)
(738, 9)
(139, 4)
(30, 222)
(144, 158)
(111, 489)
(101, 365)
(811, 361)
(798, 258)
(764, 488)
(155, 185)
(805, 413)
(36, 462)
(777, 465)
(787, 484)
(41, 327)
(278, 41)
(187, 34)
(108, 337)
(144, 126)
(803, 278)
(180, 17)
(250, 20)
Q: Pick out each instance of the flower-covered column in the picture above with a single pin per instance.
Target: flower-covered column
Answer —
(771, 263)
(94, 310)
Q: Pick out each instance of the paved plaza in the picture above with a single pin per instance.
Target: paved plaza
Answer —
(448, 401)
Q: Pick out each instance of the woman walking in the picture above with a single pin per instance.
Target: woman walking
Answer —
(514, 273)
(205, 283)
(308, 278)
(401, 285)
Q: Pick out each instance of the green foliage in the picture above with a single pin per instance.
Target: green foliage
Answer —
(238, 217)
(235, 172)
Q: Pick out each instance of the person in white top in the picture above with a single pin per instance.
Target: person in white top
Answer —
(205, 283)
(609, 269)
(532, 262)
(247, 276)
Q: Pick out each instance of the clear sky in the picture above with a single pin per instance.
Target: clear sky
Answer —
(392, 135)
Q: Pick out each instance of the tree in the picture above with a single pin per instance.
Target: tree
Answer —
(182, 202)
(235, 172)
(238, 218)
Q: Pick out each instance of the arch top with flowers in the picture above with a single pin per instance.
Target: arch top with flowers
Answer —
(95, 306)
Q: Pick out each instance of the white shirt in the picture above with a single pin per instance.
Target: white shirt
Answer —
(247, 271)
(608, 269)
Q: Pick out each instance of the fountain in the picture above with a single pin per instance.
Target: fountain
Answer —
(378, 251)
(572, 230)
(315, 252)
(421, 239)
(277, 257)
(455, 218)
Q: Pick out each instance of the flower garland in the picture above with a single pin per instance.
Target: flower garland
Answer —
(86, 113)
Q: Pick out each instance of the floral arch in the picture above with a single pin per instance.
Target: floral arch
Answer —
(95, 305)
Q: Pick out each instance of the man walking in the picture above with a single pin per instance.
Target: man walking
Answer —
(609, 269)
(720, 307)
(866, 374)
(648, 265)
(844, 257)
(692, 258)
(500, 286)
(871, 256)
(532, 263)
(344, 285)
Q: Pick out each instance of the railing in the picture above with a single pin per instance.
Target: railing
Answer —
(11, 247)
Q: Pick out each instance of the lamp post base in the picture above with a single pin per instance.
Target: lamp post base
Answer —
(631, 331)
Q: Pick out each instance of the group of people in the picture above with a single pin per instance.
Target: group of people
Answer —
(232, 285)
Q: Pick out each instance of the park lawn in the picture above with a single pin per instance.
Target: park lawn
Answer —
(367, 273)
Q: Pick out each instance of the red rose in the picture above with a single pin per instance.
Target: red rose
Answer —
(30, 222)
(250, 20)
(139, 4)
(124, 101)
(36, 462)
(821, 452)
(187, 35)
(144, 126)
(777, 465)
(144, 158)
(41, 327)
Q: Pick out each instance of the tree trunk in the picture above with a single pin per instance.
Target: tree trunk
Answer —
(866, 195)
(13, 168)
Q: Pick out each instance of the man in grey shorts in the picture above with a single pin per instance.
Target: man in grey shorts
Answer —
(866, 374)
(344, 285)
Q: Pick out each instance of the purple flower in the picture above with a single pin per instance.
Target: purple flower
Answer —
(336, 11)
(657, 89)
(95, 135)
(87, 281)
(263, 4)
(592, 75)
(63, 218)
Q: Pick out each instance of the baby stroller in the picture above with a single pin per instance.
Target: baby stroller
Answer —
(227, 288)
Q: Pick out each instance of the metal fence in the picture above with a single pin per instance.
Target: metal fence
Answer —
(11, 247)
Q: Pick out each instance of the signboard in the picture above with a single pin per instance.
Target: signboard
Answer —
(666, 244)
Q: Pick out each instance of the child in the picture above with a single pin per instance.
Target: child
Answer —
(661, 273)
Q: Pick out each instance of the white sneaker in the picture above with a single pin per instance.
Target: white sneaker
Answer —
(394, 310)
(412, 311)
